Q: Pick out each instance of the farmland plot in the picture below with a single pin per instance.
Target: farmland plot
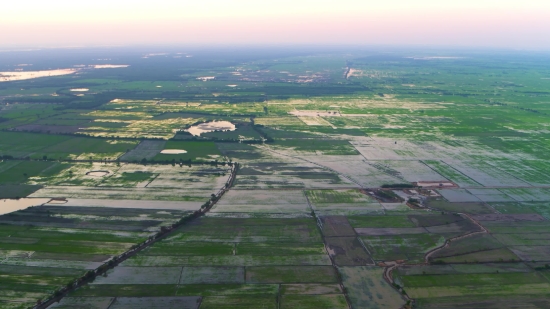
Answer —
(452, 174)
(458, 196)
(356, 168)
(220, 261)
(337, 197)
(413, 171)
(350, 210)
(347, 251)
(141, 275)
(230, 263)
(212, 275)
(486, 302)
(523, 239)
(480, 248)
(337, 301)
(472, 285)
(156, 302)
(517, 227)
(402, 247)
(486, 174)
(239, 301)
(391, 149)
(342, 202)
(461, 207)
(145, 150)
(84, 302)
(532, 253)
(528, 194)
(491, 195)
(131, 204)
(367, 288)
(270, 201)
(534, 172)
(291, 274)
(396, 221)
(311, 289)
(134, 182)
(45, 247)
(116, 195)
(286, 175)
(336, 226)
(318, 146)
(139, 128)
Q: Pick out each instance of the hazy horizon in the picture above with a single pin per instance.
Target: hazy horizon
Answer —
(475, 24)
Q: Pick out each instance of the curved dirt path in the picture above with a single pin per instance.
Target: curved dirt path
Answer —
(448, 241)
(392, 265)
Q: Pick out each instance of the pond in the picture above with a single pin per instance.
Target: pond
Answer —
(11, 205)
(211, 127)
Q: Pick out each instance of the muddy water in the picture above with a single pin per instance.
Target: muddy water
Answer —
(10, 205)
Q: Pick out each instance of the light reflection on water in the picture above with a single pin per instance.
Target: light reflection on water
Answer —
(11, 205)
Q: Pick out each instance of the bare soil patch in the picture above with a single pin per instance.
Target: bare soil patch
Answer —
(11, 205)
(97, 173)
(211, 127)
(347, 251)
(337, 226)
(173, 151)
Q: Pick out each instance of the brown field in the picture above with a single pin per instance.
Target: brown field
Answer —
(532, 253)
(368, 290)
(347, 251)
(337, 226)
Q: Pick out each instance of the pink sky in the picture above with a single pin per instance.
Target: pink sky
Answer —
(481, 23)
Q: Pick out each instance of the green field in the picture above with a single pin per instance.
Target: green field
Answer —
(307, 222)
(44, 248)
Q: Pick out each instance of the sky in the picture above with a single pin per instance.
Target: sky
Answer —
(510, 24)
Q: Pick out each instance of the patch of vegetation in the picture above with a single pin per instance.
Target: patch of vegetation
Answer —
(17, 191)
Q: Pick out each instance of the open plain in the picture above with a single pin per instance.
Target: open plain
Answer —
(326, 180)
